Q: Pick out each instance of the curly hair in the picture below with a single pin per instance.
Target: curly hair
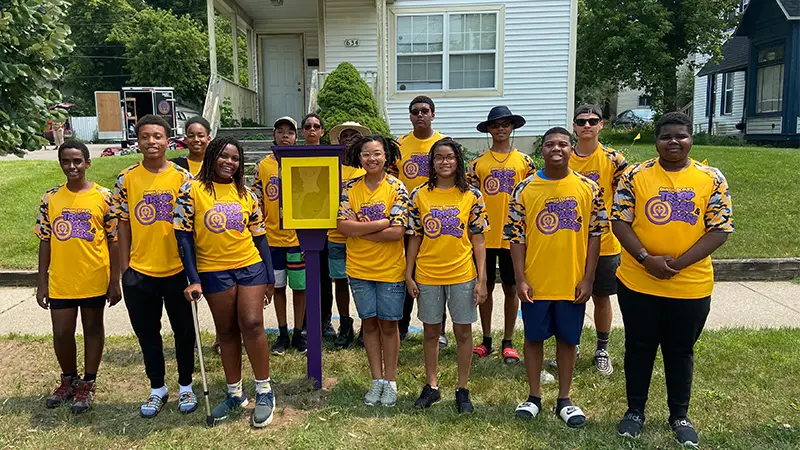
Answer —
(390, 147)
(674, 118)
(461, 171)
(215, 148)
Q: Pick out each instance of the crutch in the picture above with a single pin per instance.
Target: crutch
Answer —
(209, 420)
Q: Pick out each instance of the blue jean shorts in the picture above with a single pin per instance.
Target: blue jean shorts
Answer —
(560, 318)
(337, 260)
(252, 275)
(378, 299)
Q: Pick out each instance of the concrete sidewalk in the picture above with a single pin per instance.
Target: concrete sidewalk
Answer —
(734, 304)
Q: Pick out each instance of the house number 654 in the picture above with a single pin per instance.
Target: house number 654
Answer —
(351, 43)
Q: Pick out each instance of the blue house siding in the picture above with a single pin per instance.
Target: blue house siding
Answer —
(792, 109)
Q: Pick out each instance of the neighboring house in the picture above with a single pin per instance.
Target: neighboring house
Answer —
(466, 55)
(628, 98)
(758, 78)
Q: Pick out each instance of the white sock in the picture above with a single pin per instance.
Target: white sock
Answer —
(161, 392)
(185, 388)
(435, 388)
(263, 386)
(393, 384)
(235, 389)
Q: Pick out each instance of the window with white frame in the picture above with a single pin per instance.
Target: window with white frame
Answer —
(769, 76)
(447, 51)
(726, 108)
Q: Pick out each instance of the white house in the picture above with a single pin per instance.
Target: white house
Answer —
(467, 55)
(719, 90)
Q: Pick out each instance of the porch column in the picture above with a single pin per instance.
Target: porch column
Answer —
(235, 33)
(212, 38)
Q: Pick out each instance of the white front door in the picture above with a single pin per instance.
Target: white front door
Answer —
(283, 77)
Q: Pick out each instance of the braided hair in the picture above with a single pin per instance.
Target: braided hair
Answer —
(215, 148)
(390, 147)
(461, 171)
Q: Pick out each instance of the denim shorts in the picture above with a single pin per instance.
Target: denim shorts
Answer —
(378, 299)
(337, 260)
(459, 298)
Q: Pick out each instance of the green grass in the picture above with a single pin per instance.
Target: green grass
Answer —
(761, 179)
(746, 396)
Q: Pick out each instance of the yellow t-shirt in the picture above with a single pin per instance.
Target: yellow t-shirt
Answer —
(348, 173)
(670, 212)
(413, 165)
(605, 167)
(496, 175)
(194, 167)
(554, 219)
(82, 226)
(267, 187)
(446, 219)
(376, 261)
(223, 224)
(154, 249)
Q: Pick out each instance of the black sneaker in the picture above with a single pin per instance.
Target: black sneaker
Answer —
(428, 397)
(403, 336)
(346, 334)
(360, 339)
(299, 341)
(281, 344)
(327, 330)
(685, 433)
(463, 404)
(631, 424)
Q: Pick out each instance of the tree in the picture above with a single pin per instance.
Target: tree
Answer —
(164, 50)
(32, 38)
(347, 97)
(642, 43)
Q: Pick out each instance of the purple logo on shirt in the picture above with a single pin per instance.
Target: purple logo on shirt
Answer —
(156, 205)
(273, 188)
(499, 180)
(224, 216)
(672, 205)
(74, 223)
(443, 221)
(559, 214)
(417, 166)
(592, 175)
(371, 212)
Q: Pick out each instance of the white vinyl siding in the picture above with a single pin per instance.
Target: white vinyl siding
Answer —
(351, 19)
(723, 125)
(764, 125)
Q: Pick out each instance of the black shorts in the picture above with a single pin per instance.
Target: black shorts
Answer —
(67, 303)
(605, 277)
(506, 266)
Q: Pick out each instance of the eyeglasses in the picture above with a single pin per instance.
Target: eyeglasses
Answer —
(314, 126)
(365, 155)
(581, 122)
(495, 125)
(438, 159)
(423, 111)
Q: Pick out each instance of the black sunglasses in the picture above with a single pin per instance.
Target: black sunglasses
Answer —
(581, 122)
(416, 112)
(315, 126)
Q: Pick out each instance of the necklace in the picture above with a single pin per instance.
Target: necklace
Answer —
(491, 153)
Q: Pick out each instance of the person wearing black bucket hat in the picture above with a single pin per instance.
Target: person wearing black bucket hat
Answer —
(496, 172)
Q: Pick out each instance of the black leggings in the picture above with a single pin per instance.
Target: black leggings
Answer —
(675, 324)
(145, 298)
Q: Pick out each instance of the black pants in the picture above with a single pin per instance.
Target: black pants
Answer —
(326, 285)
(408, 306)
(675, 324)
(145, 298)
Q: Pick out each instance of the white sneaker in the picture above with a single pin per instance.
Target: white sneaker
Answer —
(373, 395)
(546, 378)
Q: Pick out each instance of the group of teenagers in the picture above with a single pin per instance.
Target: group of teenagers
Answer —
(417, 223)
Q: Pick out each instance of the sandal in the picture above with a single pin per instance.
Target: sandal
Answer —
(481, 351)
(510, 355)
(572, 416)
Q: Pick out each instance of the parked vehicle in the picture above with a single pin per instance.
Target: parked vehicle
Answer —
(633, 118)
(183, 114)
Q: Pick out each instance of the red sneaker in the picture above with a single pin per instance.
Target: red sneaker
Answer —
(84, 396)
(64, 392)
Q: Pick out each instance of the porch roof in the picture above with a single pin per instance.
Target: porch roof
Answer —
(259, 10)
(735, 55)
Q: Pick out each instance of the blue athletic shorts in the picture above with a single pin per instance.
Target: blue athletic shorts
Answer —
(560, 318)
(214, 282)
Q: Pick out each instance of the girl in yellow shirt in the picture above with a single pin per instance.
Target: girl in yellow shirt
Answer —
(373, 215)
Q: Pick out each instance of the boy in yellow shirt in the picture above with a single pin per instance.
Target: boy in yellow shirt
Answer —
(604, 166)
(670, 214)
(448, 219)
(555, 221)
(152, 273)
(78, 270)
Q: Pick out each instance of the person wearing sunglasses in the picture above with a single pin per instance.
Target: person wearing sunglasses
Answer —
(413, 170)
(604, 166)
(312, 128)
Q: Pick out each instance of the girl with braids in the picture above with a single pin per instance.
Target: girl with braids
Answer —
(448, 218)
(372, 215)
(222, 243)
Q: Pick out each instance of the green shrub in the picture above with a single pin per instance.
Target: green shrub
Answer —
(347, 97)
(723, 141)
(620, 136)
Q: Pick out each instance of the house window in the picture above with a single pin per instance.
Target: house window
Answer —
(446, 52)
(726, 107)
(644, 101)
(769, 76)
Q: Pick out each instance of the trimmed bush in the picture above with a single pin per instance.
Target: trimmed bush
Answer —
(347, 97)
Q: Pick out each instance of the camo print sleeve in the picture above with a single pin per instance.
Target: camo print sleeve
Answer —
(109, 222)
(514, 228)
(258, 188)
(620, 166)
(598, 219)
(414, 216)
(42, 229)
(256, 220)
(119, 200)
(344, 199)
(478, 217)
(393, 170)
(624, 198)
(472, 175)
(530, 165)
(719, 212)
(183, 217)
(398, 214)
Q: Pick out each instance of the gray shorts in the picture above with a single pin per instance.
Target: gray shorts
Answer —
(460, 299)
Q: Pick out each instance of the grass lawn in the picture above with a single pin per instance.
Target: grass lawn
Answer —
(765, 208)
(746, 396)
